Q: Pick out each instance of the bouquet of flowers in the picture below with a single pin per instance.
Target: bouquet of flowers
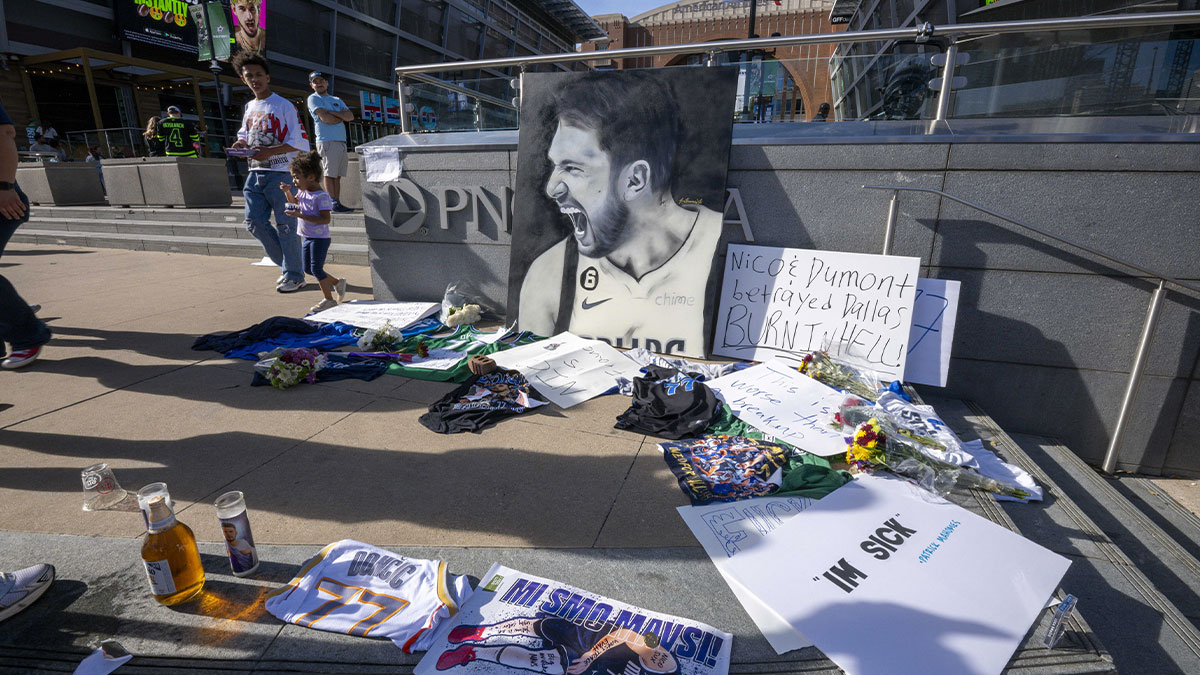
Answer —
(287, 367)
(462, 315)
(382, 339)
(821, 367)
(879, 444)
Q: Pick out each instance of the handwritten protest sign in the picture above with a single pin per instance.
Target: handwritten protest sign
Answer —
(373, 314)
(780, 401)
(935, 312)
(791, 301)
(928, 586)
(724, 530)
(519, 623)
(568, 369)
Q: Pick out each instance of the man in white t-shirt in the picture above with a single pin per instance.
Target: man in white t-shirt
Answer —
(271, 125)
(636, 271)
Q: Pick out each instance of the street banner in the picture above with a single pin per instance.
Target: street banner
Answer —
(249, 19)
(162, 23)
(790, 301)
(518, 623)
(778, 400)
(724, 530)
(212, 31)
(887, 578)
(568, 369)
(373, 313)
(935, 312)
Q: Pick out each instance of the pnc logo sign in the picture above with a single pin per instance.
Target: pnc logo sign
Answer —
(411, 206)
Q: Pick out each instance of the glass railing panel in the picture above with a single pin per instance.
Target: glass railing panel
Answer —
(478, 104)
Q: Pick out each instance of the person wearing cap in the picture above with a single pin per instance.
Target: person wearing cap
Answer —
(178, 135)
(330, 115)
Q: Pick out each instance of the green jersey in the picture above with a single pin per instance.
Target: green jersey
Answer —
(448, 355)
(178, 136)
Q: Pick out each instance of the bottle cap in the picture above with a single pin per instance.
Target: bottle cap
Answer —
(159, 513)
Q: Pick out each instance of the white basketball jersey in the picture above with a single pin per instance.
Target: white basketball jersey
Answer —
(355, 588)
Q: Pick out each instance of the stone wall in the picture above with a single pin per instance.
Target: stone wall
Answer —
(1046, 335)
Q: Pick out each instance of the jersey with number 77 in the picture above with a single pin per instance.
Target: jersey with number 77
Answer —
(355, 588)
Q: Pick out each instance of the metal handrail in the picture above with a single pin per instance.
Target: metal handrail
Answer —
(922, 32)
(1152, 312)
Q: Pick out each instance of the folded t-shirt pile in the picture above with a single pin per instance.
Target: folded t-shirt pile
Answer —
(448, 355)
(482, 401)
(290, 333)
(725, 468)
(669, 404)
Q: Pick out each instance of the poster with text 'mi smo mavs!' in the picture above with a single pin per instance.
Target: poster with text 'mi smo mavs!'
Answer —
(520, 623)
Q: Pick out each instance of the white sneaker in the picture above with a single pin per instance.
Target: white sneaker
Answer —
(290, 286)
(341, 289)
(322, 306)
(282, 278)
(20, 589)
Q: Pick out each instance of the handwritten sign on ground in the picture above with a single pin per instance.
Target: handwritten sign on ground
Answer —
(726, 529)
(776, 399)
(935, 311)
(927, 586)
(568, 369)
(792, 301)
(373, 314)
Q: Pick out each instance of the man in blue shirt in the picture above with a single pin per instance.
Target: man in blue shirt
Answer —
(330, 115)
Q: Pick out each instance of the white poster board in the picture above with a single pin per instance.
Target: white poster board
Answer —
(568, 369)
(382, 164)
(778, 400)
(520, 623)
(935, 311)
(724, 530)
(780, 301)
(886, 578)
(375, 313)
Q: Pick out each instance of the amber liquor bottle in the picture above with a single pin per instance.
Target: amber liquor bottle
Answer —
(170, 556)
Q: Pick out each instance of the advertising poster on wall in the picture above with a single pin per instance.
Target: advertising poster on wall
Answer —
(518, 623)
(162, 23)
(249, 25)
(620, 187)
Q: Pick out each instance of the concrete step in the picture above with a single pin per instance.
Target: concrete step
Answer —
(231, 214)
(339, 253)
(1140, 608)
(341, 233)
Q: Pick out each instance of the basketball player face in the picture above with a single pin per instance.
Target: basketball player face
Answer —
(247, 16)
(582, 184)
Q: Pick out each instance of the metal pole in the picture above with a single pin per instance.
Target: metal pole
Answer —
(943, 102)
(405, 119)
(753, 11)
(890, 231)
(1135, 378)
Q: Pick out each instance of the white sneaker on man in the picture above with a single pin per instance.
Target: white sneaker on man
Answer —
(20, 589)
(323, 305)
(282, 278)
(290, 286)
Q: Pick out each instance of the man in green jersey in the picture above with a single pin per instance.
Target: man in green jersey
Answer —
(178, 135)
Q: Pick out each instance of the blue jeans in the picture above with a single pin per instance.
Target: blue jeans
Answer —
(315, 250)
(18, 324)
(281, 242)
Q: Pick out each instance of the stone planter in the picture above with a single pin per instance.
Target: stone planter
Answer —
(167, 181)
(60, 184)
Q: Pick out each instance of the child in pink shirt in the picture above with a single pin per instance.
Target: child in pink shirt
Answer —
(312, 207)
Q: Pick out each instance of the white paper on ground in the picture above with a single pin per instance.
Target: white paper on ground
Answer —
(727, 528)
(375, 313)
(777, 399)
(381, 164)
(956, 595)
(99, 663)
(568, 369)
(265, 262)
(935, 312)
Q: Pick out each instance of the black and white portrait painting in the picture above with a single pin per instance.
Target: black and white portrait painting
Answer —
(618, 206)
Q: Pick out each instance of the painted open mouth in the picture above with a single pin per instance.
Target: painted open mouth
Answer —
(579, 219)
